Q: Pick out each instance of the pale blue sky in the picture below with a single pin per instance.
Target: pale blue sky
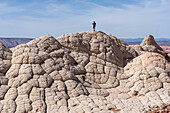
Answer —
(121, 18)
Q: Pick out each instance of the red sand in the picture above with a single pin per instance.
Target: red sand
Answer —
(166, 48)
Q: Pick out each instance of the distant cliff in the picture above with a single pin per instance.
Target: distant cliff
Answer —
(159, 41)
(12, 42)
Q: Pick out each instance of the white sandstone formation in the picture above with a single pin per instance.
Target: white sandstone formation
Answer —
(88, 72)
(148, 45)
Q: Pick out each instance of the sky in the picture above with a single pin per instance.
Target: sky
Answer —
(121, 18)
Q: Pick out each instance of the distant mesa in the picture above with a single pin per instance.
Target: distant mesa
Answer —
(13, 42)
(87, 72)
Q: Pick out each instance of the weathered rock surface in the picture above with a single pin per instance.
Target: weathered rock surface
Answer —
(88, 72)
(149, 44)
(150, 41)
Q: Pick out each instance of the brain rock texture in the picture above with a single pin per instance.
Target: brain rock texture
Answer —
(89, 72)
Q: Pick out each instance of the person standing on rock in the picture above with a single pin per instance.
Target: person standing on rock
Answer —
(94, 25)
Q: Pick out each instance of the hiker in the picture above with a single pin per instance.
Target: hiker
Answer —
(94, 25)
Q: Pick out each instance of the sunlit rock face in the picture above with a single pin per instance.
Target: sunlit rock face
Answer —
(150, 41)
(88, 72)
(148, 45)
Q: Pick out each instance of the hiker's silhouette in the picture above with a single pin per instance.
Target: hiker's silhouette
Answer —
(94, 25)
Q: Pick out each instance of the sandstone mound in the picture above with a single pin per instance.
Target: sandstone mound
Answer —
(82, 72)
(5, 58)
(149, 44)
(149, 40)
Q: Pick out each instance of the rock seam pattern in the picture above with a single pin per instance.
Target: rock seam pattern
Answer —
(88, 72)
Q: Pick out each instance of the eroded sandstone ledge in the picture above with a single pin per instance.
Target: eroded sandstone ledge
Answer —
(88, 72)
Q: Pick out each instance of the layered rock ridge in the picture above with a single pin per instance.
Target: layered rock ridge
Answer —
(88, 72)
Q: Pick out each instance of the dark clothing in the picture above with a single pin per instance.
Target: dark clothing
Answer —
(94, 25)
